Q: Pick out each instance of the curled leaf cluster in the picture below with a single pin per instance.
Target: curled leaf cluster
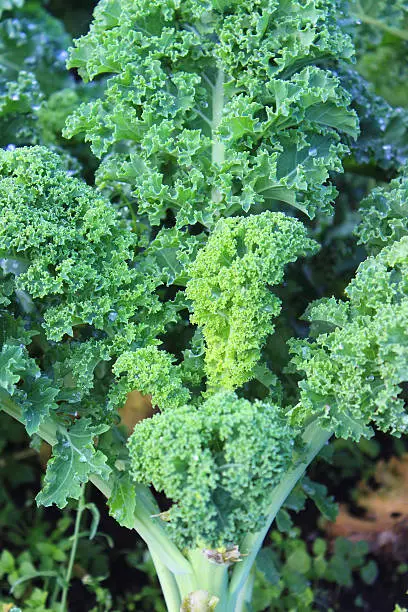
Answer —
(213, 464)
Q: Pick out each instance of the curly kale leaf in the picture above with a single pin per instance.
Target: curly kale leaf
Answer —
(32, 65)
(21, 380)
(384, 215)
(354, 371)
(74, 460)
(169, 255)
(214, 108)
(151, 372)
(383, 138)
(13, 363)
(214, 465)
(75, 252)
(74, 366)
(230, 290)
(38, 402)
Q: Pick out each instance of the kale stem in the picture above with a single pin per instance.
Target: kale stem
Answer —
(187, 584)
(168, 584)
(148, 528)
(245, 596)
(211, 577)
(68, 575)
(315, 438)
(218, 148)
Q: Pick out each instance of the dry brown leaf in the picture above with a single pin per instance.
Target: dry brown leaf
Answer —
(45, 453)
(137, 407)
(385, 522)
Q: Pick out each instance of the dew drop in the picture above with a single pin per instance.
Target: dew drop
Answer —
(387, 151)
(62, 56)
(382, 123)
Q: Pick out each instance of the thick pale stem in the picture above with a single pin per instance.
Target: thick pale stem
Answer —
(218, 149)
(149, 529)
(168, 584)
(177, 575)
(314, 437)
(210, 577)
(245, 596)
(186, 584)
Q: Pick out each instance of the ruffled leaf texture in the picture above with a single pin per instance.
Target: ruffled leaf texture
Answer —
(230, 290)
(32, 66)
(207, 456)
(356, 367)
(73, 294)
(384, 215)
(215, 107)
(21, 380)
(214, 465)
(74, 460)
(75, 256)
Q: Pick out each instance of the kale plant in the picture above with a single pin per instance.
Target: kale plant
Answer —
(219, 126)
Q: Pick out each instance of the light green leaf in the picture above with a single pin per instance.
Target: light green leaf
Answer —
(74, 460)
(299, 561)
(14, 363)
(122, 502)
(334, 116)
(11, 360)
(38, 405)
